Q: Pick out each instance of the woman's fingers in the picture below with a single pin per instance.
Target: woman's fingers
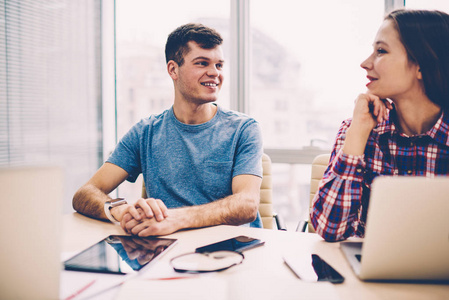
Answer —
(388, 104)
(370, 106)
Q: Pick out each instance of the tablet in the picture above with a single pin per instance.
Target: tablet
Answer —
(120, 254)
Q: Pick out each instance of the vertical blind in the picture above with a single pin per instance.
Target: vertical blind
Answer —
(50, 87)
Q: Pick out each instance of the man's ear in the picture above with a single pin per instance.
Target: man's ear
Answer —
(172, 69)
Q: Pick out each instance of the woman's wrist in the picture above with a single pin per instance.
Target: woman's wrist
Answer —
(356, 139)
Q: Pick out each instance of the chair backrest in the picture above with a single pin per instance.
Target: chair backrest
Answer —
(319, 165)
(266, 194)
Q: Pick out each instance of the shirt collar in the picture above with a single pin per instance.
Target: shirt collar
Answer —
(439, 132)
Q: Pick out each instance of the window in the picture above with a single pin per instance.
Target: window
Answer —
(442, 5)
(306, 58)
(305, 75)
(50, 90)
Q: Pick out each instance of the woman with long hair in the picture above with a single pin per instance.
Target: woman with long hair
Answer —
(400, 126)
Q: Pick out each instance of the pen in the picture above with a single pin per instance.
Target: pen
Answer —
(172, 278)
(80, 290)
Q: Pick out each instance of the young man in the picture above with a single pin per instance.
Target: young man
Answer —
(201, 164)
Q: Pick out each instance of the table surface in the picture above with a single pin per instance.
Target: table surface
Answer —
(263, 270)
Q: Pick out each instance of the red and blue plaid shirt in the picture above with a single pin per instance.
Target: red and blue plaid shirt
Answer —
(340, 206)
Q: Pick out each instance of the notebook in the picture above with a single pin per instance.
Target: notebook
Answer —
(407, 231)
(31, 205)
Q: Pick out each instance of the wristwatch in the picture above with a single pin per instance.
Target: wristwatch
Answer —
(110, 204)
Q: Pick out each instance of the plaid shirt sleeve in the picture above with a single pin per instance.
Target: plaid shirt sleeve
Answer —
(335, 210)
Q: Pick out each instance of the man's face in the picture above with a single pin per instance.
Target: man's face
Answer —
(200, 78)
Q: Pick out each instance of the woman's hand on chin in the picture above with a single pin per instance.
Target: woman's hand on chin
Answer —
(369, 110)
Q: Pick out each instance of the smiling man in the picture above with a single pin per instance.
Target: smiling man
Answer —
(201, 164)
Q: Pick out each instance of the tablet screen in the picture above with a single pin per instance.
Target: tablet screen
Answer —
(119, 254)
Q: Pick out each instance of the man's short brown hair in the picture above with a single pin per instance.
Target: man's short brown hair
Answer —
(177, 42)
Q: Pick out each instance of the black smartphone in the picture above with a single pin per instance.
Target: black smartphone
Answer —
(238, 244)
(324, 271)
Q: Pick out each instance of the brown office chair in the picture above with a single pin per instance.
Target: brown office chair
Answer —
(319, 165)
(266, 197)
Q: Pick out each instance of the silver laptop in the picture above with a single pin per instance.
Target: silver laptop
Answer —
(31, 205)
(407, 231)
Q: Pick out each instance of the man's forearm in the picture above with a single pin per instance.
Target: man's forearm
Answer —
(90, 198)
(89, 201)
(236, 209)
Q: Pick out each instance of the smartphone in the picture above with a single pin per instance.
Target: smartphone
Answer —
(312, 268)
(324, 271)
(239, 244)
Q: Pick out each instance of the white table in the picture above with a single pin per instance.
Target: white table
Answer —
(263, 272)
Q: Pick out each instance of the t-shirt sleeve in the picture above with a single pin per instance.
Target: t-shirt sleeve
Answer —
(126, 154)
(248, 157)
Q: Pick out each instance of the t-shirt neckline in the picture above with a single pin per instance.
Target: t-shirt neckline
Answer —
(195, 127)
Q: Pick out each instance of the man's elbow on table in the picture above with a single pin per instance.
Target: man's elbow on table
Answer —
(82, 203)
(77, 202)
(253, 208)
(248, 209)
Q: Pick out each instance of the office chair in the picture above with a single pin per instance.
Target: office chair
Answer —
(266, 198)
(319, 165)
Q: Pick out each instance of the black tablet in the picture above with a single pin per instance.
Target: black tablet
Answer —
(120, 254)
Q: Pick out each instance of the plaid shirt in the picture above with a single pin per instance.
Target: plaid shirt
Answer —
(340, 206)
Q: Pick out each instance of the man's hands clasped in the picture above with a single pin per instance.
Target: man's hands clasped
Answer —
(145, 213)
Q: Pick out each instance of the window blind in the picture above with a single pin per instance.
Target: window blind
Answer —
(50, 86)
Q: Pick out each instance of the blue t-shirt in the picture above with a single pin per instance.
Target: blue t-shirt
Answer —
(185, 165)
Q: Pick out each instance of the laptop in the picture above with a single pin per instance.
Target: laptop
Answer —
(31, 205)
(407, 231)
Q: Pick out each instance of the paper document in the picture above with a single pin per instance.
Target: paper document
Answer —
(199, 288)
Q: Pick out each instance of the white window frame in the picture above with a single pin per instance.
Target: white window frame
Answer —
(108, 77)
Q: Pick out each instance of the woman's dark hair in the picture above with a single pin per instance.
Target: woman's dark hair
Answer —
(176, 46)
(425, 36)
